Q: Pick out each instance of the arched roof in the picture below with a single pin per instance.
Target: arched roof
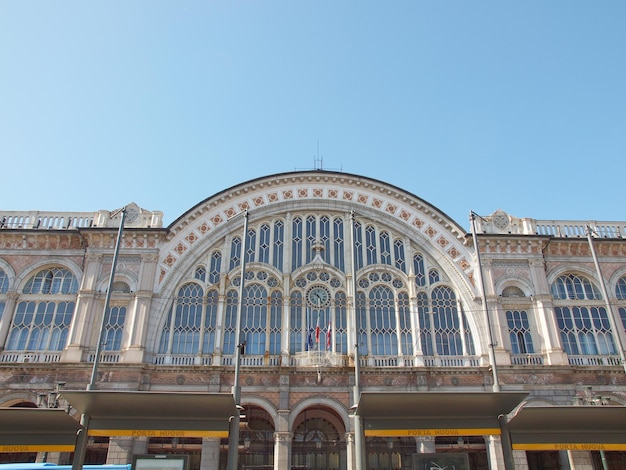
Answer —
(194, 231)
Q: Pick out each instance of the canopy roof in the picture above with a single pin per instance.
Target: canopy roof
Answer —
(435, 413)
(37, 429)
(532, 427)
(150, 411)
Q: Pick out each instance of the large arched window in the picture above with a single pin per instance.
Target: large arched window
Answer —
(261, 316)
(44, 312)
(443, 328)
(181, 333)
(581, 317)
(382, 322)
(383, 317)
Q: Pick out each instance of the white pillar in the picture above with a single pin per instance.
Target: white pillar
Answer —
(282, 450)
(580, 460)
(494, 452)
(425, 445)
(122, 449)
(350, 452)
(210, 459)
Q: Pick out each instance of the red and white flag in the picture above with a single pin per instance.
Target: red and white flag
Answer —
(328, 334)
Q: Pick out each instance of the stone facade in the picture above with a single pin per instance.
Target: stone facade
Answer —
(420, 321)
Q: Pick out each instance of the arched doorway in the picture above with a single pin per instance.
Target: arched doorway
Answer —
(318, 441)
(18, 457)
(256, 441)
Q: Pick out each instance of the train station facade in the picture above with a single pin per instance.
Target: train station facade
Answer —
(349, 286)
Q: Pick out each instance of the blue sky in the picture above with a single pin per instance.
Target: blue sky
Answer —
(470, 105)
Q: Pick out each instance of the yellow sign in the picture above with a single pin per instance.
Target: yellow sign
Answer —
(37, 448)
(581, 447)
(431, 432)
(157, 433)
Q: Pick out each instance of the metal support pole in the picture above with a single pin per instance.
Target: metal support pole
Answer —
(233, 433)
(81, 439)
(359, 438)
(605, 294)
(505, 442)
(492, 355)
(96, 360)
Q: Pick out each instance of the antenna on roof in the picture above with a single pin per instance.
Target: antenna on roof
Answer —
(318, 162)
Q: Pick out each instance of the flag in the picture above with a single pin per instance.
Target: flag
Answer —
(309, 340)
(328, 333)
(317, 329)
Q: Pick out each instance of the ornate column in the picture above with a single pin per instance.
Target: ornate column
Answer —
(140, 310)
(86, 312)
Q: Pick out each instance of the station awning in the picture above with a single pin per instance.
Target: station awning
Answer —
(435, 413)
(154, 414)
(37, 430)
(569, 428)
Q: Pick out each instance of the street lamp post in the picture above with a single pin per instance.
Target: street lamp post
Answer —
(605, 294)
(356, 391)
(82, 436)
(233, 433)
(479, 271)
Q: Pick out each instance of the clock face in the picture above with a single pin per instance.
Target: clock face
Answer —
(318, 296)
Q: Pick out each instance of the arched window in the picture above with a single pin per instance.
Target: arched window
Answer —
(200, 273)
(398, 253)
(210, 319)
(181, 334)
(519, 332)
(338, 243)
(370, 245)
(583, 321)
(443, 329)
(264, 243)
(385, 248)
(230, 322)
(340, 324)
(279, 235)
(254, 319)
(574, 287)
(512, 291)
(620, 293)
(382, 316)
(43, 323)
(235, 253)
(215, 267)
(4, 288)
(296, 243)
(406, 335)
(114, 328)
(420, 271)
(297, 334)
(4, 282)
